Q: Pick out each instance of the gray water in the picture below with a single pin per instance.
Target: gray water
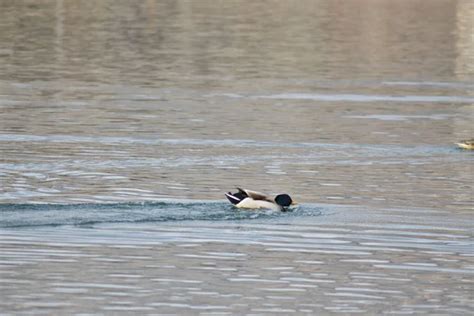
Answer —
(122, 124)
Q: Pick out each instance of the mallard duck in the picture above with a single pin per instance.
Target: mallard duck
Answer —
(466, 144)
(255, 200)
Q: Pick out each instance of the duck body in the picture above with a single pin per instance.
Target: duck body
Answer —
(249, 199)
(466, 144)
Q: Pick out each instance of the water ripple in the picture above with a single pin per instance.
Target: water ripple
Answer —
(358, 97)
(34, 215)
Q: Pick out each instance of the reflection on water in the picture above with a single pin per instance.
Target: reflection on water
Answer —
(353, 105)
(162, 43)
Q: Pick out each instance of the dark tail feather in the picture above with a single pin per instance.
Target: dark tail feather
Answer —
(233, 198)
(242, 192)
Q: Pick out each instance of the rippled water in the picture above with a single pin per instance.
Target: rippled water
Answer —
(122, 124)
(205, 257)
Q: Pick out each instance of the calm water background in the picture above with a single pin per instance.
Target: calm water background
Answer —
(123, 122)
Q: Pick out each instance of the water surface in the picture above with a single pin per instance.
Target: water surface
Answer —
(122, 124)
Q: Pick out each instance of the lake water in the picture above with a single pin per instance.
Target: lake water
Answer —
(122, 124)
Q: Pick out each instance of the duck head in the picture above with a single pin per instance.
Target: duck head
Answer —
(284, 200)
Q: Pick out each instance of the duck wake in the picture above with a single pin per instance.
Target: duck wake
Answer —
(34, 215)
